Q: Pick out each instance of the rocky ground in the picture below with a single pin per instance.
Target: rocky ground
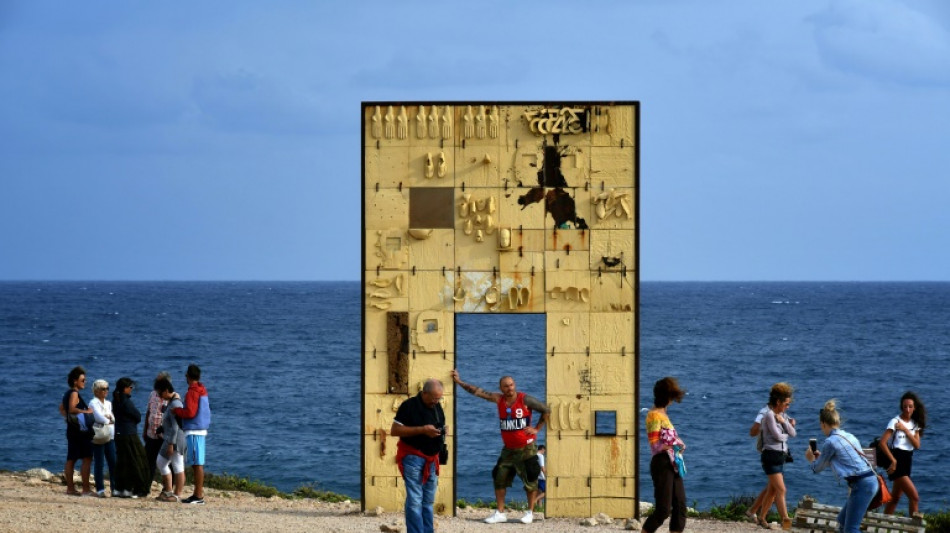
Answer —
(37, 501)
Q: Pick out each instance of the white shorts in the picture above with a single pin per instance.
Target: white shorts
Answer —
(175, 463)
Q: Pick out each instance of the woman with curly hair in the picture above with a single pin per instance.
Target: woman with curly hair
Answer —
(898, 442)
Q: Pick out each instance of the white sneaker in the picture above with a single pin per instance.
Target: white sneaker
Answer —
(496, 518)
(527, 518)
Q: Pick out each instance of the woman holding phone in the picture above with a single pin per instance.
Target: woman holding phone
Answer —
(840, 451)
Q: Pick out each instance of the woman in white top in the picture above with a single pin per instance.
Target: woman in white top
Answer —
(898, 442)
(102, 410)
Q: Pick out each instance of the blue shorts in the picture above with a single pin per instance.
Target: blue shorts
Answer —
(542, 485)
(196, 450)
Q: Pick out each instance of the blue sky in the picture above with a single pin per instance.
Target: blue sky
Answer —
(220, 140)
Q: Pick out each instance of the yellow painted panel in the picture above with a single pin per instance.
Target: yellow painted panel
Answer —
(564, 239)
(570, 413)
(613, 209)
(379, 410)
(613, 125)
(615, 508)
(473, 255)
(387, 250)
(380, 458)
(614, 245)
(568, 331)
(567, 374)
(429, 290)
(431, 365)
(434, 252)
(611, 167)
(430, 166)
(612, 457)
(567, 291)
(567, 507)
(376, 373)
(611, 333)
(612, 292)
(478, 166)
(388, 166)
(375, 324)
(561, 260)
(575, 160)
(567, 456)
(380, 306)
(527, 240)
(623, 405)
(524, 262)
(387, 209)
(510, 292)
(431, 331)
(614, 373)
(511, 214)
(387, 492)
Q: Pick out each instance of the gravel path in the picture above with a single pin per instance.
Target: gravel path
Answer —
(29, 503)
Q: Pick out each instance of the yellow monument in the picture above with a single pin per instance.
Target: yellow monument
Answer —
(502, 207)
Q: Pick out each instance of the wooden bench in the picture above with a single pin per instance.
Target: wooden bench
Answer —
(814, 517)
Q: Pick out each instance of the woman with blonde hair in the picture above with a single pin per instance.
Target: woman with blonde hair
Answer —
(841, 451)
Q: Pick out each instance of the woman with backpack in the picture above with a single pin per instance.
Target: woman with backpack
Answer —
(898, 443)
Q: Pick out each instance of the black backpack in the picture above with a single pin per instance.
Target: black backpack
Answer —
(880, 457)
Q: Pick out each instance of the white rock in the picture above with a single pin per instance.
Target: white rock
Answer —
(395, 527)
(40, 473)
(632, 524)
(589, 521)
(603, 518)
(645, 507)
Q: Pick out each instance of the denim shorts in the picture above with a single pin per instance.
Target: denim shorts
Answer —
(773, 462)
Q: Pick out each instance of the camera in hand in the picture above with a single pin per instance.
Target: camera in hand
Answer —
(813, 444)
(444, 451)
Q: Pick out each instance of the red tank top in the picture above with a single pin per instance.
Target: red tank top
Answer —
(513, 421)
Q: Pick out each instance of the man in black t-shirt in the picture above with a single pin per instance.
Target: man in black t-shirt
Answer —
(420, 426)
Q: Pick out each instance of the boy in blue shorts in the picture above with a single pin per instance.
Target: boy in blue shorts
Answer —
(196, 418)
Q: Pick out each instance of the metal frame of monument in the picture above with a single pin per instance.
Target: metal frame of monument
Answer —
(505, 207)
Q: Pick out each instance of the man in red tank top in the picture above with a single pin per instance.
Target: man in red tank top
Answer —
(520, 455)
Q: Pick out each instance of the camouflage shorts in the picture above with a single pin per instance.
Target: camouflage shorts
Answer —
(522, 461)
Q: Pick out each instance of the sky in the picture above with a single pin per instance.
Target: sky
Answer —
(220, 140)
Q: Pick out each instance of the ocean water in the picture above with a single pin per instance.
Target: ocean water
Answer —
(282, 365)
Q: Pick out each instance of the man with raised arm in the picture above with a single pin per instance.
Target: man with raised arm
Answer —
(520, 454)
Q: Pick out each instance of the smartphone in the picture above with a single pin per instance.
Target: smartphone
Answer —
(813, 444)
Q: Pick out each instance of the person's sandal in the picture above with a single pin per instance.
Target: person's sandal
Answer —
(751, 517)
(786, 524)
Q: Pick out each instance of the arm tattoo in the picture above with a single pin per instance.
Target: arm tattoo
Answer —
(536, 405)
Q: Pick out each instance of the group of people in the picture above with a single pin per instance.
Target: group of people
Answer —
(841, 451)
(108, 431)
(420, 425)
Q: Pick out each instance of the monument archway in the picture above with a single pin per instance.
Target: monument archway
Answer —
(505, 207)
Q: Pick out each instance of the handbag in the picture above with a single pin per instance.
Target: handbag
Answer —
(444, 451)
(883, 496)
(101, 434)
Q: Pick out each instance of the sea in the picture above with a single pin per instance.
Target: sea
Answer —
(281, 361)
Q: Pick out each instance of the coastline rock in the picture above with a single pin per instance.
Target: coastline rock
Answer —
(40, 473)
(395, 527)
(589, 521)
(603, 518)
(632, 524)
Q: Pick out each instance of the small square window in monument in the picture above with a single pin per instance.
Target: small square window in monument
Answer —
(431, 207)
(605, 422)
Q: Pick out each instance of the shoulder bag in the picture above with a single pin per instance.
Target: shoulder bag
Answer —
(883, 495)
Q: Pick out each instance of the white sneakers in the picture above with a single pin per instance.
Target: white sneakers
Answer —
(527, 518)
(496, 518)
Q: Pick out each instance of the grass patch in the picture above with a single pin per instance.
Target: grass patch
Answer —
(231, 482)
(938, 522)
